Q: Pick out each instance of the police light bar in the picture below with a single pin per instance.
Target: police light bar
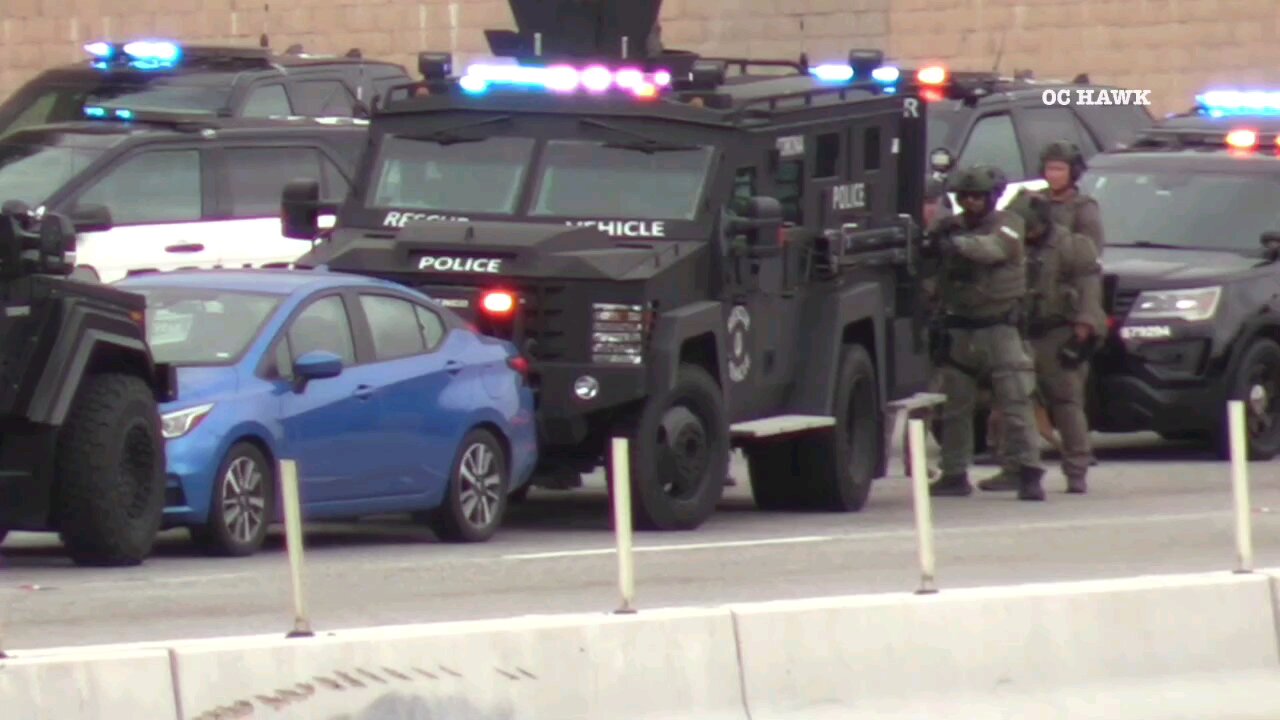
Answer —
(594, 79)
(140, 54)
(932, 75)
(841, 73)
(1242, 139)
(101, 113)
(1229, 103)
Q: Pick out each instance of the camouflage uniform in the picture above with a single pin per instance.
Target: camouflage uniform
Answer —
(982, 284)
(1064, 290)
(1073, 209)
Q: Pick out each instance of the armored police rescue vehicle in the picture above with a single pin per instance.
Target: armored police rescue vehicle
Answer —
(690, 259)
(159, 191)
(1191, 274)
(210, 81)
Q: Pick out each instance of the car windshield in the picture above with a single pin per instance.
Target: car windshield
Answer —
(943, 116)
(192, 326)
(31, 172)
(163, 96)
(1180, 209)
(482, 176)
(591, 179)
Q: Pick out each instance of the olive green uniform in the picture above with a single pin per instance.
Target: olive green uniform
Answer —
(1080, 214)
(982, 285)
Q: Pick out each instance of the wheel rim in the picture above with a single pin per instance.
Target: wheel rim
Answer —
(244, 500)
(684, 452)
(138, 466)
(1261, 399)
(481, 485)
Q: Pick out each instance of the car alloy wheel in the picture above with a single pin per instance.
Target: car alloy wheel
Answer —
(481, 485)
(244, 500)
(476, 501)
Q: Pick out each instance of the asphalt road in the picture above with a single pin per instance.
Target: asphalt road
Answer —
(1153, 508)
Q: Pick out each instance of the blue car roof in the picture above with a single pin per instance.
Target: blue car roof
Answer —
(271, 281)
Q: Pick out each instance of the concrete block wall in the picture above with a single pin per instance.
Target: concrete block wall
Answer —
(1172, 47)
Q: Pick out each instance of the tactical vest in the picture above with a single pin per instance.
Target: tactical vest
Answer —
(1064, 211)
(1051, 299)
(972, 290)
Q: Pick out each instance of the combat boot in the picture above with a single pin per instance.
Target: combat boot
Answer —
(1000, 482)
(1076, 485)
(1029, 487)
(951, 486)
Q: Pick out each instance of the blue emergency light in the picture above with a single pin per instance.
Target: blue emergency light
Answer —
(101, 113)
(140, 54)
(594, 79)
(1231, 103)
(841, 73)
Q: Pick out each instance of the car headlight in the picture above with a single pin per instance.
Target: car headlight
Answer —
(1191, 305)
(617, 334)
(180, 422)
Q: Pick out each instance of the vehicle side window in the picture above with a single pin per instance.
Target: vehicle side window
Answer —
(161, 186)
(790, 190)
(266, 101)
(323, 325)
(744, 187)
(38, 112)
(333, 186)
(394, 326)
(256, 177)
(1114, 125)
(324, 98)
(1044, 125)
(431, 325)
(993, 142)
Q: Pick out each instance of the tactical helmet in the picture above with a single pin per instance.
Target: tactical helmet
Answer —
(978, 179)
(1063, 151)
(1034, 209)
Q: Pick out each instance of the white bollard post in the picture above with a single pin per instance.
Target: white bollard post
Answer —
(1240, 484)
(621, 463)
(924, 511)
(293, 543)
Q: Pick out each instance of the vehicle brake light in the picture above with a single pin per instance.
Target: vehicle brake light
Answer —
(932, 75)
(498, 302)
(931, 94)
(520, 365)
(1242, 138)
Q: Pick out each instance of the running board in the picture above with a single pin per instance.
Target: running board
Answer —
(779, 425)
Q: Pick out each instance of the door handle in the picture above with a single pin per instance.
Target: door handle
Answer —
(364, 392)
(453, 367)
(187, 248)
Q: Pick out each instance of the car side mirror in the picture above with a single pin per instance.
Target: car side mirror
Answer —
(315, 365)
(940, 160)
(300, 209)
(91, 218)
(1270, 241)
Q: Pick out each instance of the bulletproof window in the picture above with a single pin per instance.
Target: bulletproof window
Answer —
(266, 101)
(395, 328)
(827, 159)
(483, 177)
(871, 148)
(324, 325)
(590, 179)
(256, 177)
(324, 98)
(1044, 125)
(993, 142)
(744, 187)
(160, 186)
(789, 188)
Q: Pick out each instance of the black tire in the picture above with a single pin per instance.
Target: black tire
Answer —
(839, 466)
(242, 506)
(679, 491)
(1258, 370)
(520, 494)
(111, 472)
(774, 481)
(479, 472)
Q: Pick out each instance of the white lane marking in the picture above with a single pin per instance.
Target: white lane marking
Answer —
(887, 535)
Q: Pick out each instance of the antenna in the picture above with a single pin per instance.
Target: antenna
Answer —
(995, 67)
(613, 29)
(265, 41)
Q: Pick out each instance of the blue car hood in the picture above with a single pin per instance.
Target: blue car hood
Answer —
(196, 384)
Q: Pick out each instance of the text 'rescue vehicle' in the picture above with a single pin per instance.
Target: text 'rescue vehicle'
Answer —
(164, 76)
(1191, 215)
(687, 259)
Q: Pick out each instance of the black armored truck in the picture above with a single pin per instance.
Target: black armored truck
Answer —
(693, 253)
(81, 449)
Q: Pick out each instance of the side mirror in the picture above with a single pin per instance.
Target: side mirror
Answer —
(1271, 242)
(300, 209)
(940, 160)
(91, 218)
(315, 365)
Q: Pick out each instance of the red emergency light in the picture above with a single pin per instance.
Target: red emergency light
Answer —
(1242, 139)
(498, 302)
(932, 75)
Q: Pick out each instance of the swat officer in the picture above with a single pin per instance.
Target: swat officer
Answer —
(981, 285)
(1063, 315)
(1061, 165)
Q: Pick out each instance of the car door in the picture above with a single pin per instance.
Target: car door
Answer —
(423, 395)
(330, 424)
(251, 177)
(158, 197)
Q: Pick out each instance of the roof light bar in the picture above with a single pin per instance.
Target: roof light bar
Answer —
(595, 79)
(1227, 103)
(140, 54)
(931, 75)
(101, 113)
(841, 73)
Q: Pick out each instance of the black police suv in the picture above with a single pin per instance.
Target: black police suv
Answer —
(161, 76)
(983, 118)
(1191, 214)
(690, 258)
(171, 191)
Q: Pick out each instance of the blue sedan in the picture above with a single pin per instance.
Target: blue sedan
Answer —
(388, 402)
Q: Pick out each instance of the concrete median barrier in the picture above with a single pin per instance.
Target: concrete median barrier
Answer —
(110, 685)
(1151, 647)
(659, 664)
